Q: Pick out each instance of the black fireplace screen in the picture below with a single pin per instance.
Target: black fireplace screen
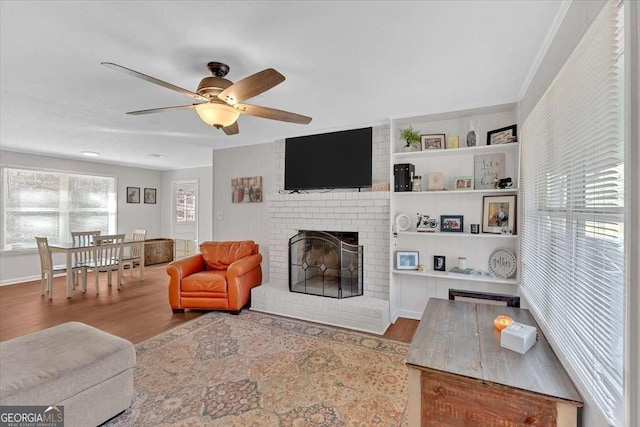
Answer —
(327, 264)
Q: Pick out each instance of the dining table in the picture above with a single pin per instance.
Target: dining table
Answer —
(69, 249)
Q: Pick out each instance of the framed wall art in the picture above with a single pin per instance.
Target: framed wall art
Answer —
(451, 223)
(246, 189)
(439, 263)
(150, 196)
(407, 260)
(433, 141)
(504, 135)
(499, 214)
(133, 194)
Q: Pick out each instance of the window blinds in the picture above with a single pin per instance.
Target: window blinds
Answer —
(573, 213)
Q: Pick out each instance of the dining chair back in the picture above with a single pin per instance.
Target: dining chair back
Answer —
(48, 269)
(80, 258)
(135, 251)
(107, 257)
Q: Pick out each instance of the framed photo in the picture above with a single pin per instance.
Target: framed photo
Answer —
(247, 189)
(133, 194)
(503, 135)
(451, 223)
(436, 181)
(433, 141)
(439, 263)
(150, 195)
(407, 260)
(499, 214)
(463, 183)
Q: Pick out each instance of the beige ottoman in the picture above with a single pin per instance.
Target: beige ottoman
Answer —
(86, 370)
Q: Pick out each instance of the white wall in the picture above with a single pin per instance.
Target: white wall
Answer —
(19, 267)
(204, 176)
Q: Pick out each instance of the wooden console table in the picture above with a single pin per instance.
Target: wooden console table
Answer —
(460, 376)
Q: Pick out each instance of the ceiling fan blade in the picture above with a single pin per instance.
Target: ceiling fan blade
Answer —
(272, 113)
(231, 129)
(251, 86)
(154, 80)
(162, 109)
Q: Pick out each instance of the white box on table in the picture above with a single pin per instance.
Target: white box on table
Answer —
(518, 337)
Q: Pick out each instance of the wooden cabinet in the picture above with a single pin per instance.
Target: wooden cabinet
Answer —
(157, 251)
(460, 376)
(411, 289)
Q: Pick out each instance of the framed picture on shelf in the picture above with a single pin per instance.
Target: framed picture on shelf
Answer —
(499, 214)
(150, 195)
(439, 263)
(488, 169)
(453, 142)
(133, 194)
(433, 141)
(463, 183)
(436, 181)
(451, 223)
(504, 135)
(407, 260)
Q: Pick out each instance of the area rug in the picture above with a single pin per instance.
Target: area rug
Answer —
(257, 369)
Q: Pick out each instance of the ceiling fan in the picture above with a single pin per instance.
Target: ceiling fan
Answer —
(222, 99)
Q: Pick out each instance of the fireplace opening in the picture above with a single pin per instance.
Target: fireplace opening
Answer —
(326, 263)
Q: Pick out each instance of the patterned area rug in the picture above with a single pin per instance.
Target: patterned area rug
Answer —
(257, 369)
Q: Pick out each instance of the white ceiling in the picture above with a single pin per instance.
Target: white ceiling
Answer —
(348, 64)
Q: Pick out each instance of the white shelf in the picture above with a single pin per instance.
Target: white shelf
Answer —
(463, 235)
(480, 149)
(506, 191)
(445, 275)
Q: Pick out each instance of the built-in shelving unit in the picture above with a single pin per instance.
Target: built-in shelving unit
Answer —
(411, 289)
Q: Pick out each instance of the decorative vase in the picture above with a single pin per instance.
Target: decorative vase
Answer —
(471, 138)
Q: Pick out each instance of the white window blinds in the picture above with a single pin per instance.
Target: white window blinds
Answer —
(573, 200)
(52, 204)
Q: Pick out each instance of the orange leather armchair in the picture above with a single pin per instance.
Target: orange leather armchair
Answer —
(220, 277)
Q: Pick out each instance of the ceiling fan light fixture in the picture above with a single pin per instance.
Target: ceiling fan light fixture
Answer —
(218, 115)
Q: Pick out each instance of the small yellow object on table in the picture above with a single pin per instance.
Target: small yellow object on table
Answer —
(502, 321)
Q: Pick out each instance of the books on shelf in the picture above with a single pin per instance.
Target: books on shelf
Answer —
(461, 272)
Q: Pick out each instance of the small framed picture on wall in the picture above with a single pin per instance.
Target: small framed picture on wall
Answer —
(133, 194)
(150, 195)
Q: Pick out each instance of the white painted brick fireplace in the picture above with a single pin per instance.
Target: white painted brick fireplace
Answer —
(366, 213)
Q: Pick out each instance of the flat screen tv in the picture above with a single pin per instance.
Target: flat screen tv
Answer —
(329, 160)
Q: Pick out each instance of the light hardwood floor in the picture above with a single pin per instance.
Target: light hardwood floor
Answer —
(139, 311)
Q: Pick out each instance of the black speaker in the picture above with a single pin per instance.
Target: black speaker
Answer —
(402, 175)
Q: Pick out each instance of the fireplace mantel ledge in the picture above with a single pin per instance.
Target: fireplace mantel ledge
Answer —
(368, 195)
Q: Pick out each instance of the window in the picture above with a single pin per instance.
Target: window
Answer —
(574, 213)
(52, 204)
(185, 205)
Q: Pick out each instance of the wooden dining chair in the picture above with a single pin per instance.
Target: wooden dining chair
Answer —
(82, 238)
(48, 269)
(135, 252)
(107, 257)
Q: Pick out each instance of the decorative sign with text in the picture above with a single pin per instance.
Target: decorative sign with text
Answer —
(488, 169)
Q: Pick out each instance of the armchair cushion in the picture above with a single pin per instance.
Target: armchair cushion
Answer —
(206, 281)
(218, 255)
